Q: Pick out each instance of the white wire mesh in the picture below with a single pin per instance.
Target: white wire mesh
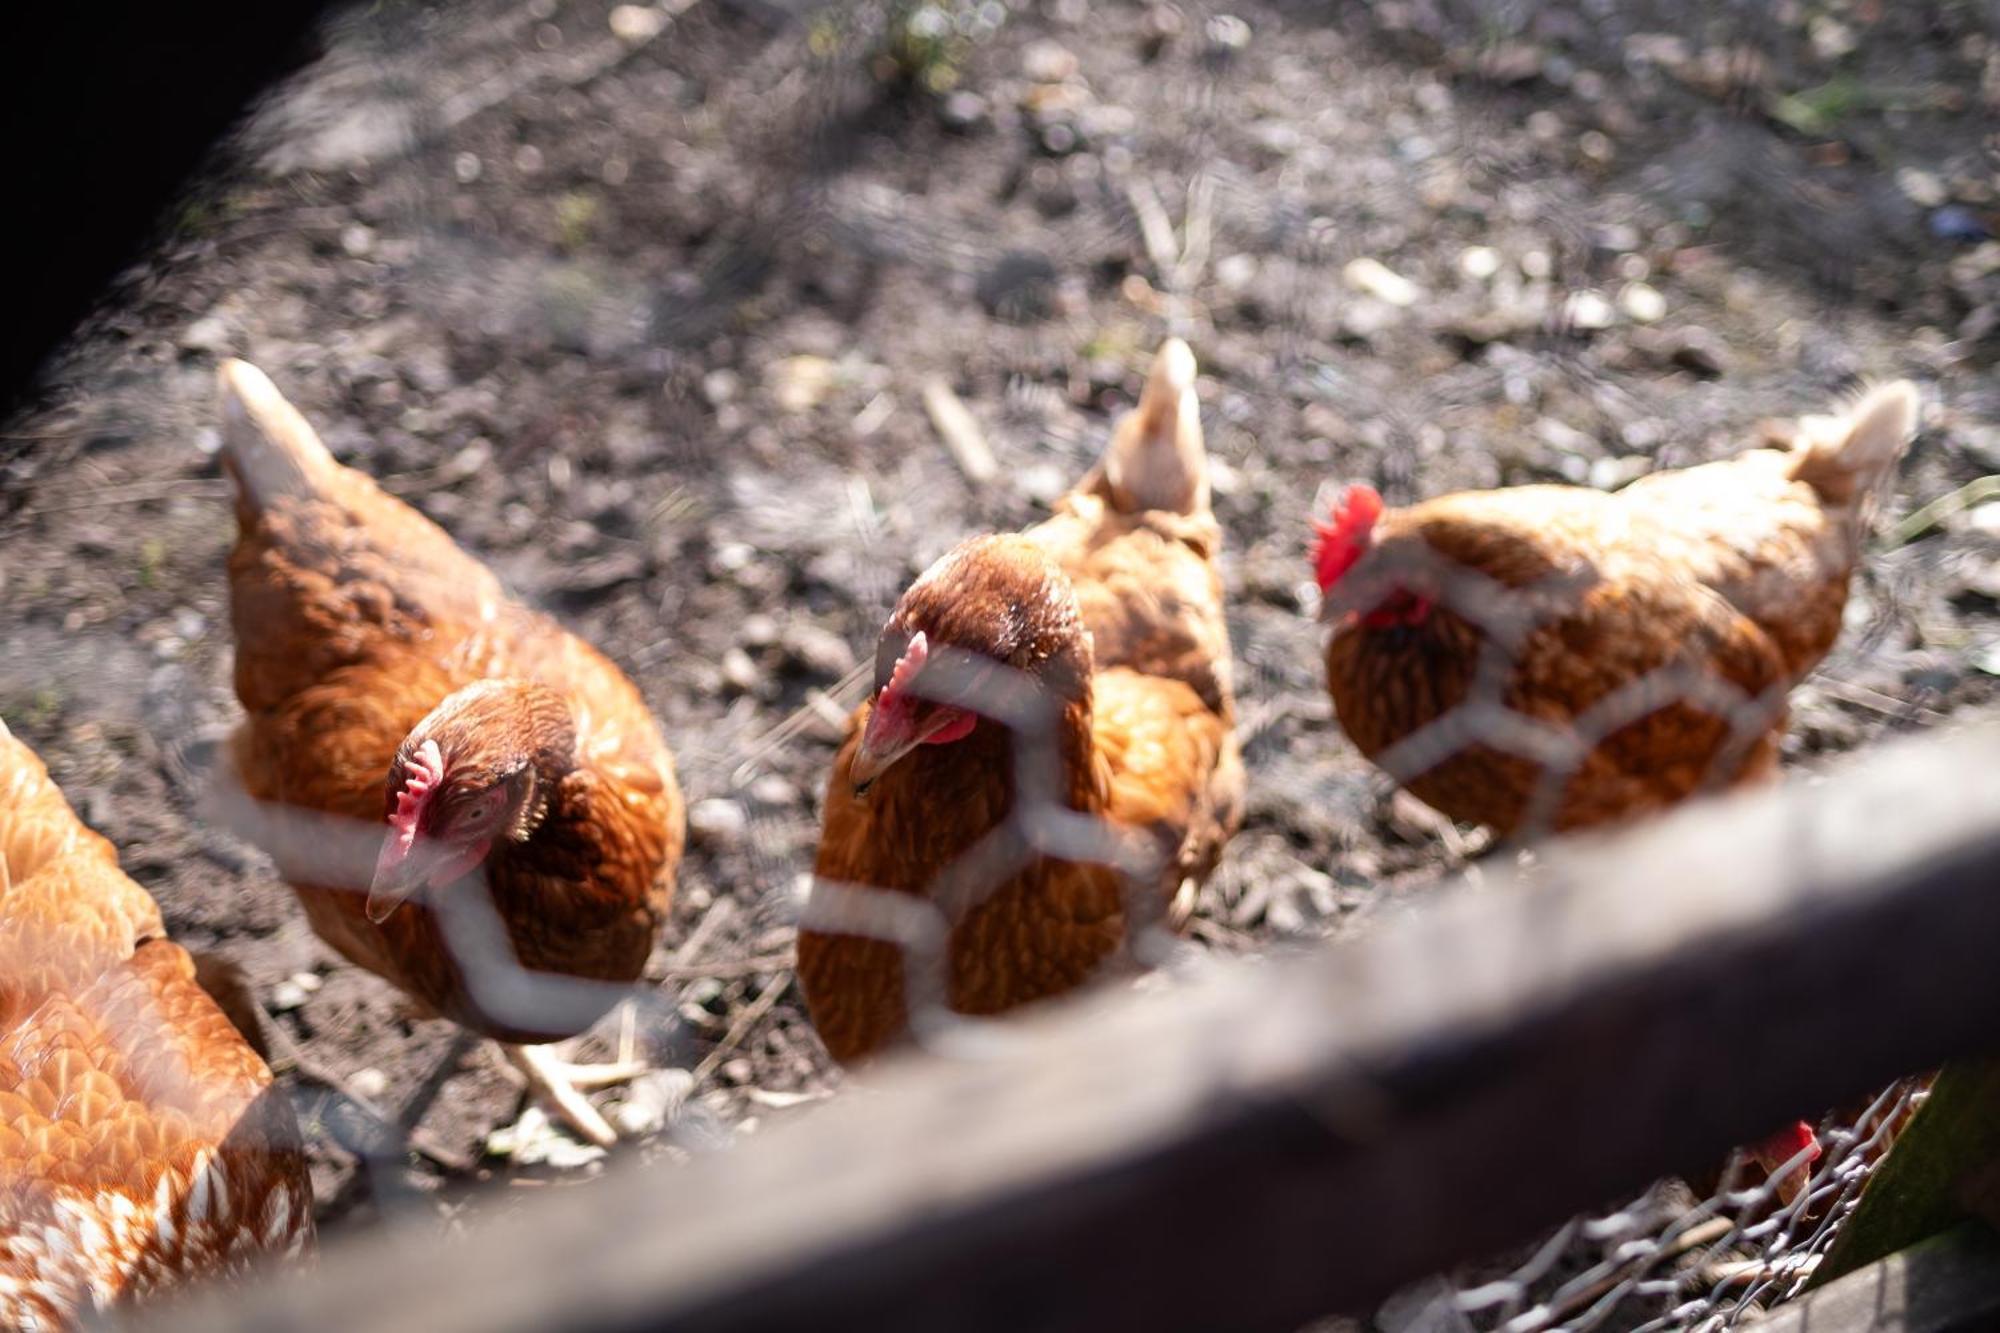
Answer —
(1663, 1261)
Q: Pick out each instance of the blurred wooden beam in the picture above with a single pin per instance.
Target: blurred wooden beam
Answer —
(1271, 1142)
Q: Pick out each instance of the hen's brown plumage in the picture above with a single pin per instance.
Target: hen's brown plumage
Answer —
(1111, 612)
(142, 1143)
(363, 632)
(1668, 619)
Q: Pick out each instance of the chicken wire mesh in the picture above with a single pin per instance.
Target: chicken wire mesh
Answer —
(1285, 213)
(1668, 1261)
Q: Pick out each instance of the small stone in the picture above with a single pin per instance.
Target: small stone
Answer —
(652, 1102)
(287, 996)
(1642, 303)
(467, 168)
(1379, 281)
(1058, 138)
(357, 239)
(963, 111)
(1048, 62)
(721, 386)
(799, 383)
(1235, 272)
(1616, 238)
(1668, 51)
(1587, 310)
(1282, 139)
(739, 671)
(1479, 262)
(718, 822)
(1537, 264)
(210, 334)
(309, 982)
(1042, 482)
(817, 649)
(1955, 222)
(1364, 319)
(773, 790)
(370, 1083)
(758, 630)
(1831, 39)
(1608, 474)
(1563, 436)
(1226, 34)
(636, 25)
(1920, 187)
(733, 556)
(535, 1140)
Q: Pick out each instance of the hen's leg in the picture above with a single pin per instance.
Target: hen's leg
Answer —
(563, 1084)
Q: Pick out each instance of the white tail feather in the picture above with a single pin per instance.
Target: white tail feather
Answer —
(1156, 459)
(1849, 454)
(271, 450)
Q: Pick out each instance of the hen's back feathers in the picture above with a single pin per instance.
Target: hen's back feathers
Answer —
(1139, 542)
(1733, 573)
(141, 1141)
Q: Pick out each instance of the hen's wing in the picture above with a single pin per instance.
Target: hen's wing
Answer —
(1581, 626)
(1779, 532)
(141, 1142)
(1172, 767)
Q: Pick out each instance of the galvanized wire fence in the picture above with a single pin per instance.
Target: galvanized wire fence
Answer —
(1666, 1262)
(1190, 223)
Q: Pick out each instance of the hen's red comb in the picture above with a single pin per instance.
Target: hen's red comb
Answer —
(1796, 1140)
(1346, 532)
(424, 770)
(908, 665)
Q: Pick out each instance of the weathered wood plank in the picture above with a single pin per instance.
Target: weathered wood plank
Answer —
(1949, 1284)
(1270, 1142)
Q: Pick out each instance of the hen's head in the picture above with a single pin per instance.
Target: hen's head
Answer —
(989, 603)
(477, 771)
(1341, 541)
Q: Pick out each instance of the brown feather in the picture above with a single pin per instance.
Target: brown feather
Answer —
(1727, 580)
(1115, 615)
(142, 1144)
(355, 618)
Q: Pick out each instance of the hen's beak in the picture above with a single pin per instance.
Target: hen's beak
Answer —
(404, 866)
(887, 738)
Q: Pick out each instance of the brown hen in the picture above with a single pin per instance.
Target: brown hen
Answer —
(1558, 657)
(142, 1144)
(1079, 668)
(526, 822)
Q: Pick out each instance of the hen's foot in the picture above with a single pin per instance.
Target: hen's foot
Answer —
(564, 1085)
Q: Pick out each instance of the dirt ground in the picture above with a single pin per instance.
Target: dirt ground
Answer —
(642, 318)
